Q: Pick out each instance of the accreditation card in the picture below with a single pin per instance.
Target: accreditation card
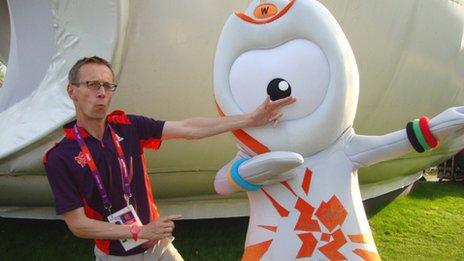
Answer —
(127, 216)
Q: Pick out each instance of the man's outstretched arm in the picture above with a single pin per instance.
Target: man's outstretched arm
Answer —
(197, 128)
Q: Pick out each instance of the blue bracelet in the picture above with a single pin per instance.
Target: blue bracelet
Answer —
(239, 180)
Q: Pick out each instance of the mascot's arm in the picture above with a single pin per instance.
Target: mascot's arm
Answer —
(418, 135)
(249, 174)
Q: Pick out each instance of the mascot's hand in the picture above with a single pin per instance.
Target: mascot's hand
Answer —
(448, 124)
(270, 168)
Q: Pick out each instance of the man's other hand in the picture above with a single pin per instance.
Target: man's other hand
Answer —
(159, 228)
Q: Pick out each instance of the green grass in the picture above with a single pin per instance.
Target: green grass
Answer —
(426, 225)
(22, 239)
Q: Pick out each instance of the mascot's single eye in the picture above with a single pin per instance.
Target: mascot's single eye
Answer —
(278, 89)
(298, 68)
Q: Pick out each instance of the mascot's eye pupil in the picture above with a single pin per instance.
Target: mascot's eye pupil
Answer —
(278, 89)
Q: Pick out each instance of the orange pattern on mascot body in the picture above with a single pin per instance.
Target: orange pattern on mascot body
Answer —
(301, 177)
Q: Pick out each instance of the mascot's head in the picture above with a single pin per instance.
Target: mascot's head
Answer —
(281, 48)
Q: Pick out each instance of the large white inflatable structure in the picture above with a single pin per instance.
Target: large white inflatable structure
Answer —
(311, 206)
(410, 57)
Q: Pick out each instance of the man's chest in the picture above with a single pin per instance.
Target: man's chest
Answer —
(106, 159)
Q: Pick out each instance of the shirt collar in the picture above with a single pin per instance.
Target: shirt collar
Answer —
(116, 116)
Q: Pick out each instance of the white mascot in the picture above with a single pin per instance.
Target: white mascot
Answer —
(301, 177)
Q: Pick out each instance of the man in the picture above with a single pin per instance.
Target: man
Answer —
(97, 172)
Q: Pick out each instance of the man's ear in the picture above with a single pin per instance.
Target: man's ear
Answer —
(71, 89)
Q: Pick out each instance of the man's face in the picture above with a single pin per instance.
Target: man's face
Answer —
(91, 104)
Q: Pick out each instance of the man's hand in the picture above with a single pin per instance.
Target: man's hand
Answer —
(269, 111)
(159, 228)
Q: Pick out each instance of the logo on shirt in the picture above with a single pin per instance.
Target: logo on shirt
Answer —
(81, 159)
(119, 138)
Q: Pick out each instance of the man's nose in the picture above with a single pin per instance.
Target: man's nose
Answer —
(101, 92)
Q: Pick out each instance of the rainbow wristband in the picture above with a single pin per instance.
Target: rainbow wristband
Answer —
(419, 135)
(239, 181)
(412, 138)
(424, 126)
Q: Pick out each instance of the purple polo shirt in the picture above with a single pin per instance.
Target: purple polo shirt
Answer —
(73, 185)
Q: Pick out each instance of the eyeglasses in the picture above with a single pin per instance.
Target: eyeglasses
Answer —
(96, 85)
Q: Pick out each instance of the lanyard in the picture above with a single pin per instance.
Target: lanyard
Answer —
(96, 174)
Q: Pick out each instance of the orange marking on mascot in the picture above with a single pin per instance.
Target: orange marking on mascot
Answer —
(330, 249)
(281, 210)
(255, 252)
(286, 185)
(308, 246)
(367, 255)
(265, 10)
(270, 228)
(326, 237)
(332, 213)
(284, 10)
(361, 238)
(307, 181)
(305, 223)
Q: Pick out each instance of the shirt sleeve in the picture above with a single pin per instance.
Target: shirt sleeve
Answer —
(64, 188)
(149, 130)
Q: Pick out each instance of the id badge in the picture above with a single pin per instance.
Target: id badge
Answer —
(127, 216)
